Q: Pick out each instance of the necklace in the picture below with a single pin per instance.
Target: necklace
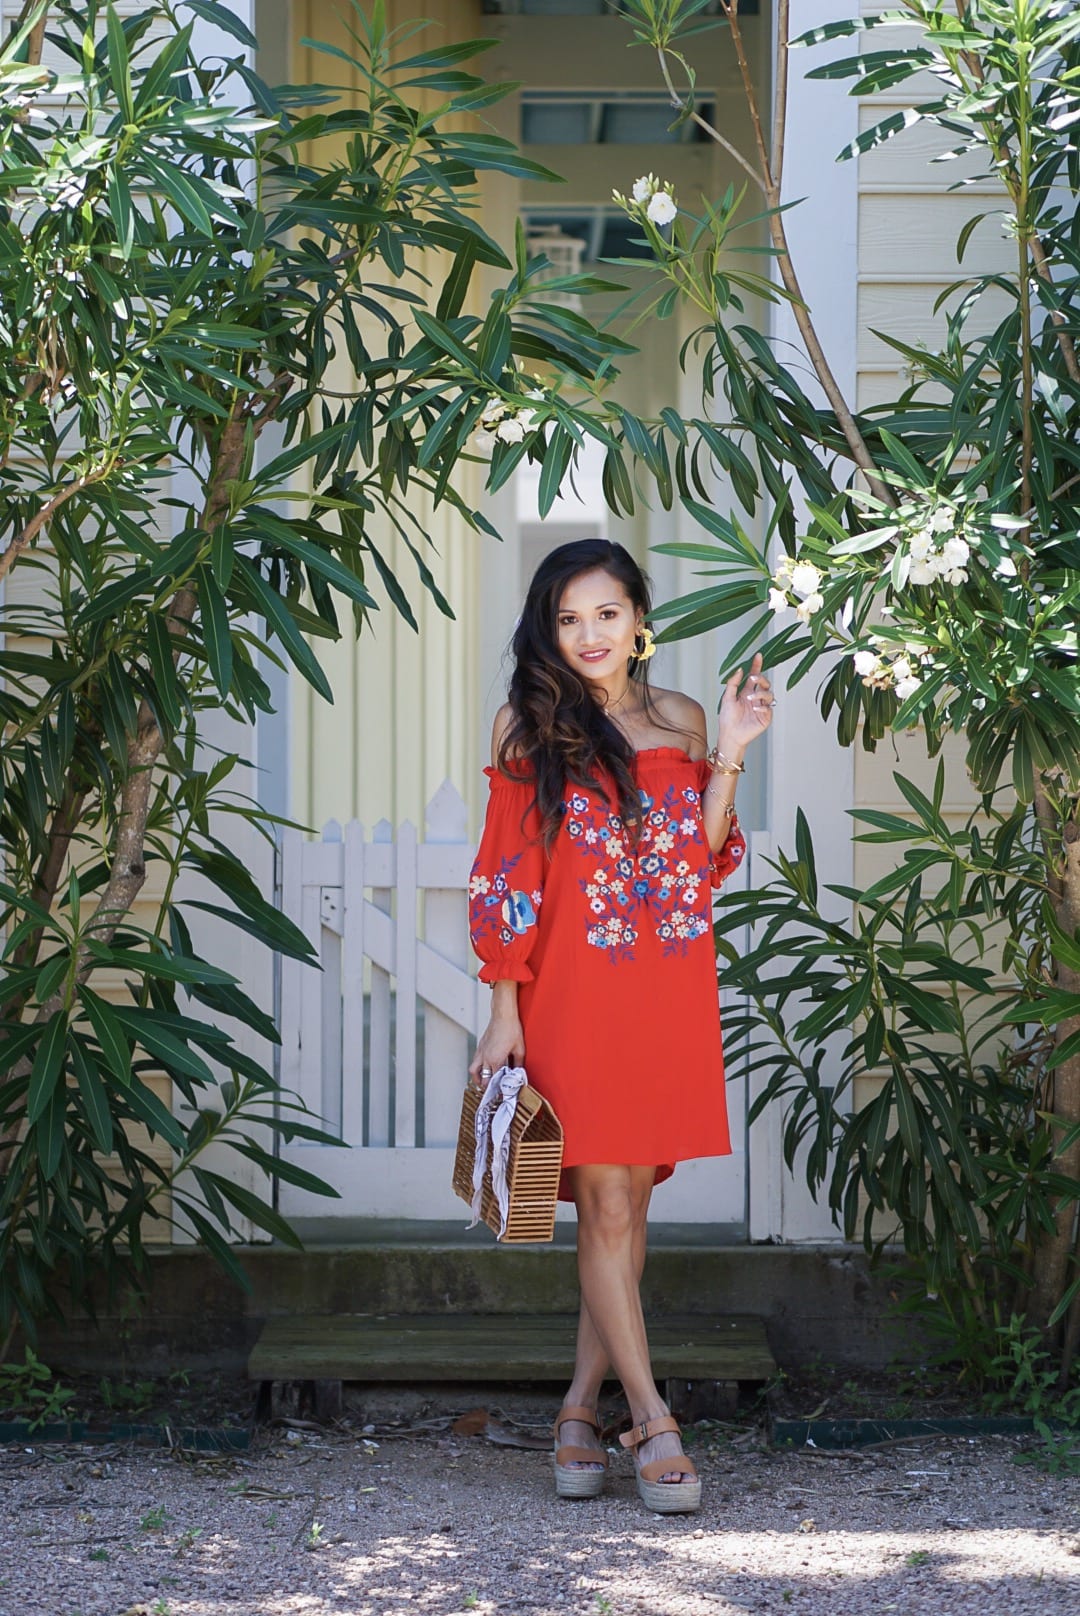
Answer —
(610, 706)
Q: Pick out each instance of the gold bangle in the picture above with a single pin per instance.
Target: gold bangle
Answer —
(722, 765)
(727, 804)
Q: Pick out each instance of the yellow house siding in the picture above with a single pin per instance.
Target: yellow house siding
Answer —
(404, 715)
(909, 221)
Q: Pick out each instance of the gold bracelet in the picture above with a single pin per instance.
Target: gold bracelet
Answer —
(728, 806)
(722, 765)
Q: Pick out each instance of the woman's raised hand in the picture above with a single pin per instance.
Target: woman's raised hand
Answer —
(747, 713)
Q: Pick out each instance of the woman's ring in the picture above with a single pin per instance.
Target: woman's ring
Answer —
(485, 1071)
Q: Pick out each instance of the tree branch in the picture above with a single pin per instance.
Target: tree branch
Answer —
(47, 512)
(128, 870)
(803, 319)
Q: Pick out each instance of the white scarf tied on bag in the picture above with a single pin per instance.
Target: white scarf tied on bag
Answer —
(494, 1115)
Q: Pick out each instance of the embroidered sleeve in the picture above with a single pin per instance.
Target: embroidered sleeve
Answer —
(728, 858)
(506, 887)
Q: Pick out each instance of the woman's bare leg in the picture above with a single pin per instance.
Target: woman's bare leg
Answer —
(591, 1364)
(606, 1198)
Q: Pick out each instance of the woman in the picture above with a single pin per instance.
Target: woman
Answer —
(590, 905)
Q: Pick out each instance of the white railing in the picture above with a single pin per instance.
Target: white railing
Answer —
(377, 1043)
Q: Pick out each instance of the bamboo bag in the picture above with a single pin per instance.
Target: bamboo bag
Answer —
(535, 1162)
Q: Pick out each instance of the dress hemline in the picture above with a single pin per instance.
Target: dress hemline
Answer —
(664, 1170)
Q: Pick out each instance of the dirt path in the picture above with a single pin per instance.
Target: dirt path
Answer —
(314, 1523)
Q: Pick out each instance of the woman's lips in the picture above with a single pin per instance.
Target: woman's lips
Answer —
(593, 656)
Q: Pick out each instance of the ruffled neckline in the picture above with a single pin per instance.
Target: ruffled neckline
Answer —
(665, 751)
(651, 753)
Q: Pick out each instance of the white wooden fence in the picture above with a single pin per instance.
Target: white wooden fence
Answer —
(378, 1041)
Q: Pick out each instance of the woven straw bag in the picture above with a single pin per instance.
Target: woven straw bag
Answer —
(536, 1151)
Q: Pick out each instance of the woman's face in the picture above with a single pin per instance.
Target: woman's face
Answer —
(596, 626)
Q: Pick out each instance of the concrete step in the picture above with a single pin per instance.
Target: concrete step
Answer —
(812, 1301)
(508, 1346)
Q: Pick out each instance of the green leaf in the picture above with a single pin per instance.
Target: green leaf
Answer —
(500, 156)
(281, 468)
(94, 1096)
(275, 930)
(269, 604)
(168, 967)
(122, 212)
(219, 1248)
(185, 198)
(560, 447)
(164, 1046)
(109, 1033)
(253, 1207)
(443, 55)
(159, 647)
(223, 18)
(217, 635)
(119, 65)
(48, 1064)
(50, 1131)
(150, 1110)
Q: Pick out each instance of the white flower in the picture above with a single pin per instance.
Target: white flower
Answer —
(493, 411)
(527, 420)
(805, 578)
(778, 601)
(957, 576)
(510, 430)
(901, 669)
(955, 553)
(922, 572)
(942, 519)
(643, 188)
(483, 442)
(907, 687)
(661, 208)
(866, 662)
(921, 545)
(805, 610)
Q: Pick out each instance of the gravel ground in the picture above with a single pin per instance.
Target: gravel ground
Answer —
(314, 1522)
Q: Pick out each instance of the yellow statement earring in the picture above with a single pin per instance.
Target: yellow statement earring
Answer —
(647, 648)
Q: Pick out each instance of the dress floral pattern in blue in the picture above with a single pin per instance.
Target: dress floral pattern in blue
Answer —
(663, 881)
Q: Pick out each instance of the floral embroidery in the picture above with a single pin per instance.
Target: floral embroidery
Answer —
(654, 883)
(496, 906)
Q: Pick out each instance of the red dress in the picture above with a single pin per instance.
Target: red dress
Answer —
(612, 946)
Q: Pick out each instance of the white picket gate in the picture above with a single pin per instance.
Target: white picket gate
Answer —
(377, 1042)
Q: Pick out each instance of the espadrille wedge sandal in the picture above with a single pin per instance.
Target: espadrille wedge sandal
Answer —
(665, 1497)
(578, 1483)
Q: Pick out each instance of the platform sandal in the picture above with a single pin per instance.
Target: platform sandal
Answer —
(578, 1483)
(665, 1497)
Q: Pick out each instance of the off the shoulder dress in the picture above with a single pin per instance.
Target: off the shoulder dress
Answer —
(612, 947)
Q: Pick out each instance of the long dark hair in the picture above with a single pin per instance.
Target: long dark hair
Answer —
(558, 729)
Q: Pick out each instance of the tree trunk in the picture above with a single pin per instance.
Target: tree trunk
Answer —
(1054, 1252)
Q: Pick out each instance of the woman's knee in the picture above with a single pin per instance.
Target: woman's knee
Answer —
(607, 1208)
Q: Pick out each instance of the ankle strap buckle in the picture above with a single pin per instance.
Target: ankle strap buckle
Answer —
(643, 1431)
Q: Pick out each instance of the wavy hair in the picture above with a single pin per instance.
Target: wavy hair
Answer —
(558, 729)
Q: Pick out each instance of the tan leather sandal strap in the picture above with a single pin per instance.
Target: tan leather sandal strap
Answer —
(587, 1416)
(648, 1428)
(568, 1454)
(661, 1467)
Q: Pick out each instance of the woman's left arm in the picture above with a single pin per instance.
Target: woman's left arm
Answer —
(745, 714)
